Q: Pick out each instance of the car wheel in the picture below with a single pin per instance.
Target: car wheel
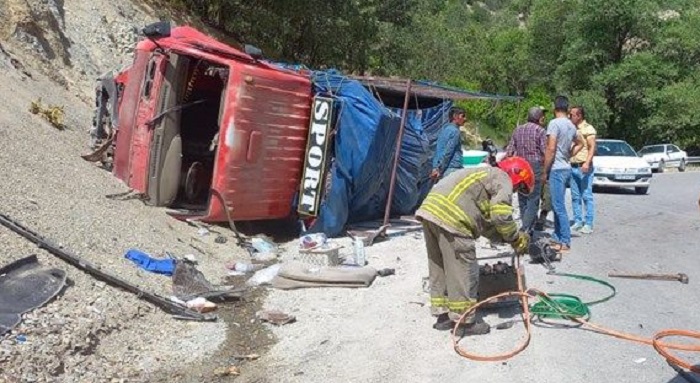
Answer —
(641, 190)
(662, 165)
(681, 167)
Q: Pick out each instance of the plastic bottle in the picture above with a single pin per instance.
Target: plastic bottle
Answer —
(246, 267)
(359, 247)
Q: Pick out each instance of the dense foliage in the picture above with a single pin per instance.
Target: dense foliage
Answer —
(632, 63)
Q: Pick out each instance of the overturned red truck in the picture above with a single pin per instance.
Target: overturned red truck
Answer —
(215, 133)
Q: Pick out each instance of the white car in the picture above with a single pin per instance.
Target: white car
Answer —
(664, 155)
(617, 165)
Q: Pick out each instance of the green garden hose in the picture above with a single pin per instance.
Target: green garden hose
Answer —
(565, 306)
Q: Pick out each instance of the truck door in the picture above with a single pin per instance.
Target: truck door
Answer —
(165, 157)
(145, 109)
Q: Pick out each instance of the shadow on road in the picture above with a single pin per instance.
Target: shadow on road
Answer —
(618, 191)
(684, 376)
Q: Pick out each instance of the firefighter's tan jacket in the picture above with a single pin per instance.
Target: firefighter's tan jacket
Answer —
(473, 202)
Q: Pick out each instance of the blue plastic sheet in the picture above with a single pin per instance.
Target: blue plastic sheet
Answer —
(164, 266)
(363, 153)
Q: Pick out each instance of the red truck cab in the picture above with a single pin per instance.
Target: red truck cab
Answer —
(209, 130)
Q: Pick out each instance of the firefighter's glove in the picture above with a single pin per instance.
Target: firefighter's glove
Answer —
(521, 244)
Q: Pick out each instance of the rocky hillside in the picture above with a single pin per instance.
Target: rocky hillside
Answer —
(72, 42)
(92, 332)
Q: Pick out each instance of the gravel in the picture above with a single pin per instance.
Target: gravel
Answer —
(91, 332)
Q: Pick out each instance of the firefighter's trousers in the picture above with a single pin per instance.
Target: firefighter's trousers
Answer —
(453, 272)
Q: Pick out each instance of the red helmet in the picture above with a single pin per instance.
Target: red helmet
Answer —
(520, 173)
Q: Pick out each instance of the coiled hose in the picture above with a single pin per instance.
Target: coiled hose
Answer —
(570, 307)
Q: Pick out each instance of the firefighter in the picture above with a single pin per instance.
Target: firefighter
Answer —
(463, 206)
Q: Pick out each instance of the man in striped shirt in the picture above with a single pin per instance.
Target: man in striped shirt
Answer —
(529, 141)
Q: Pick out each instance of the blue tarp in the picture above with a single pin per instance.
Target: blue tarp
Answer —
(363, 152)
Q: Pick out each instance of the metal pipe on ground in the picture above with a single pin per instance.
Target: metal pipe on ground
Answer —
(177, 310)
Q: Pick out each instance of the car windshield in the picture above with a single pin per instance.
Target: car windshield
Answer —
(652, 149)
(614, 149)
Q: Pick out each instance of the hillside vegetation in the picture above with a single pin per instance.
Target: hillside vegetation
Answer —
(632, 63)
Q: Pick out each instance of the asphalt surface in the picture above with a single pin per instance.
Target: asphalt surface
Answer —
(384, 333)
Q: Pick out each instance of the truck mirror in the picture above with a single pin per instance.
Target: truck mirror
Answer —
(156, 30)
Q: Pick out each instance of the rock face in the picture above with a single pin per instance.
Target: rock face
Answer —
(72, 42)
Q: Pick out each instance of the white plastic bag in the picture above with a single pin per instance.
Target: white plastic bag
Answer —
(264, 276)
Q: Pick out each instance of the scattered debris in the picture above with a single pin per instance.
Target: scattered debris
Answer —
(297, 275)
(326, 254)
(203, 231)
(201, 305)
(680, 277)
(264, 257)
(312, 241)
(358, 247)
(164, 266)
(179, 311)
(264, 276)
(221, 239)
(190, 258)
(262, 244)
(227, 371)
(386, 272)
(242, 268)
(21, 338)
(640, 360)
(248, 357)
(52, 113)
(189, 283)
(275, 317)
(24, 286)
(505, 325)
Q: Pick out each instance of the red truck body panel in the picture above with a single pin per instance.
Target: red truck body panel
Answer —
(262, 144)
(262, 132)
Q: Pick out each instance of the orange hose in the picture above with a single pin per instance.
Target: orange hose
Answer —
(660, 347)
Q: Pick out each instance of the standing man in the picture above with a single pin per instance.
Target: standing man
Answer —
(448, 154)
(528, 141)
(561, 133)
(582, 173)
(459, 209)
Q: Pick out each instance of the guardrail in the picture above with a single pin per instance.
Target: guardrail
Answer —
(693, 160)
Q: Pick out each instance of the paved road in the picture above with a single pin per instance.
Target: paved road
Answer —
(380, 334)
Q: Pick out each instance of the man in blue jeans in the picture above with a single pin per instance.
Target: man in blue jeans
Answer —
(528, 141)
(562, 144)
(582, 173)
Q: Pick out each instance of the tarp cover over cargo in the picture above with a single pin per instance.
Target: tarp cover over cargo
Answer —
(362, 152)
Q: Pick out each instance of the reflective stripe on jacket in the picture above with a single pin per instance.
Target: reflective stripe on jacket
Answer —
(471, 202)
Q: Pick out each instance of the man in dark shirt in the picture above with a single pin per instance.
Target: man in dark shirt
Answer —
(448, 154)
(528, 141)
